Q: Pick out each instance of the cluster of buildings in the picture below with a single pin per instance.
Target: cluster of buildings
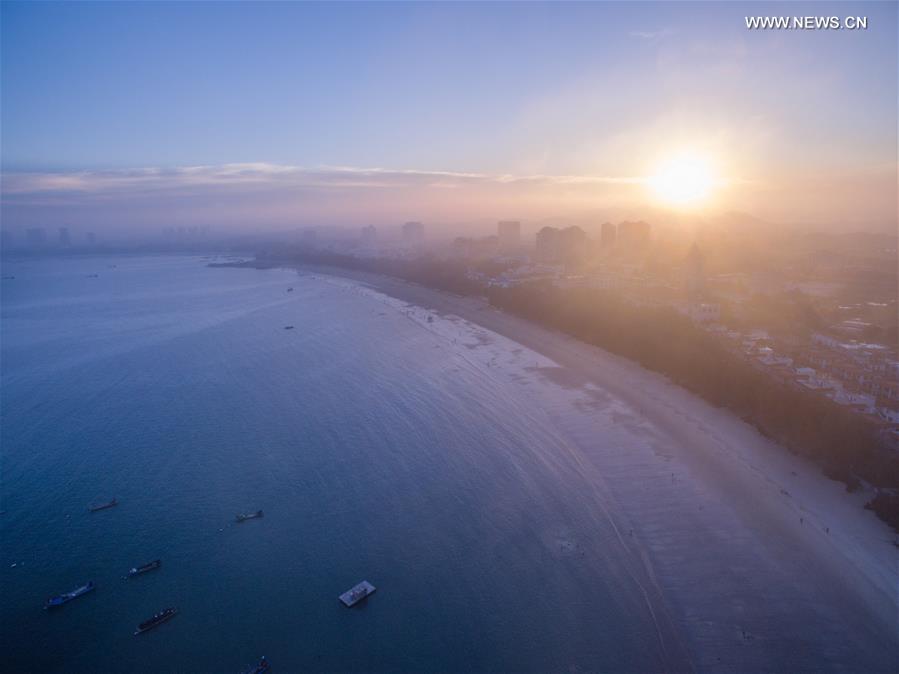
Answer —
(858, 375)
(35, 239)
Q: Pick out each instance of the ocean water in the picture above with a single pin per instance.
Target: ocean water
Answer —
(380, 445)
(514, 515)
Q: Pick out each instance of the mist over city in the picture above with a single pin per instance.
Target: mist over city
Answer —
(439, 337)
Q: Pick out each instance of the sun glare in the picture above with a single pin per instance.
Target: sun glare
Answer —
(684, 181)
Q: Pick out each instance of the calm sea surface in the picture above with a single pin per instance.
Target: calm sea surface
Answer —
(376, 451)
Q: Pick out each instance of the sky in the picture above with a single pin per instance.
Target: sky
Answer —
(130, 117)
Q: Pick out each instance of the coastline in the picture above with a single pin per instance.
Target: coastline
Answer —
(774, 491)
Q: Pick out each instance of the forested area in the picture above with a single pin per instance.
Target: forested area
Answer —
(847, 446)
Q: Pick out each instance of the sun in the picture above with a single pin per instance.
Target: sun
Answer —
(685, 180)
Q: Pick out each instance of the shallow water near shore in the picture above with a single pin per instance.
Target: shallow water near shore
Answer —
(511, 516)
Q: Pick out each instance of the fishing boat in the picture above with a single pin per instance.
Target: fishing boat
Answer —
(66, 597)
(249, 516)
(260, 668)
(149, 566)
(103, 506)
(356, 594)
(156, 620)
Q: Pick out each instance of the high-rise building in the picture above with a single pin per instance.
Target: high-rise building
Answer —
(547, 244)
(369, 235)
(608, 234)
(509, 233)
(65, 241)
(633, 234)
(6, 240)
(413, 233)
(694, 275)
(91, 239)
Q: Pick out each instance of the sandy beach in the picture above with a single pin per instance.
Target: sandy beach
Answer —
(748, 557)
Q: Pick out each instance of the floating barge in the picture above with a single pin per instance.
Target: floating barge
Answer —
(356, 594)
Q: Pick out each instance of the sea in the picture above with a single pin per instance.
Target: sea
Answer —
(377, 449)
(384, 442)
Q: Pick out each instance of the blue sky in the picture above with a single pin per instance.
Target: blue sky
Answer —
(600, 90)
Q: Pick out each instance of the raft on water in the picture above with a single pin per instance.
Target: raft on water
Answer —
(356, 594)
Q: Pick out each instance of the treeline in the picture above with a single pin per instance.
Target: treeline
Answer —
(846, 445)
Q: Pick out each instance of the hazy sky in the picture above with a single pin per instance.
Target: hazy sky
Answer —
(266, 115)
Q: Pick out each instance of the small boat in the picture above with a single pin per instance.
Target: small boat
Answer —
(249, 516)
(149, 566)
(261, 668)
(356, 594)
(103, 506)
(288, 327)
(65, 597)
(290, 290)
(156, 620)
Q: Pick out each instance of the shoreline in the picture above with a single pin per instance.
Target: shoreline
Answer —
(799, 501)
(726, 533)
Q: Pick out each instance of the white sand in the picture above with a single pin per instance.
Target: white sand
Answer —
(749, 558)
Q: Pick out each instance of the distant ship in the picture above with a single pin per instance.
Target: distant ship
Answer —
(290, 290)
(61, 599)
(156, 620)
(288, 327)
(259, 668)
(149, 566)
(103, 506)
(249, 516)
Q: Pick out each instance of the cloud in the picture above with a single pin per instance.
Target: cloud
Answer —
(250, 196)
(125, 183)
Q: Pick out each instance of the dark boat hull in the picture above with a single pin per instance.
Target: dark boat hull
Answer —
(155, 622)
(105, 506)
(144, 569)
(249, 516)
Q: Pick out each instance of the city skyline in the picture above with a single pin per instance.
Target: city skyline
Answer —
(281, 115)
